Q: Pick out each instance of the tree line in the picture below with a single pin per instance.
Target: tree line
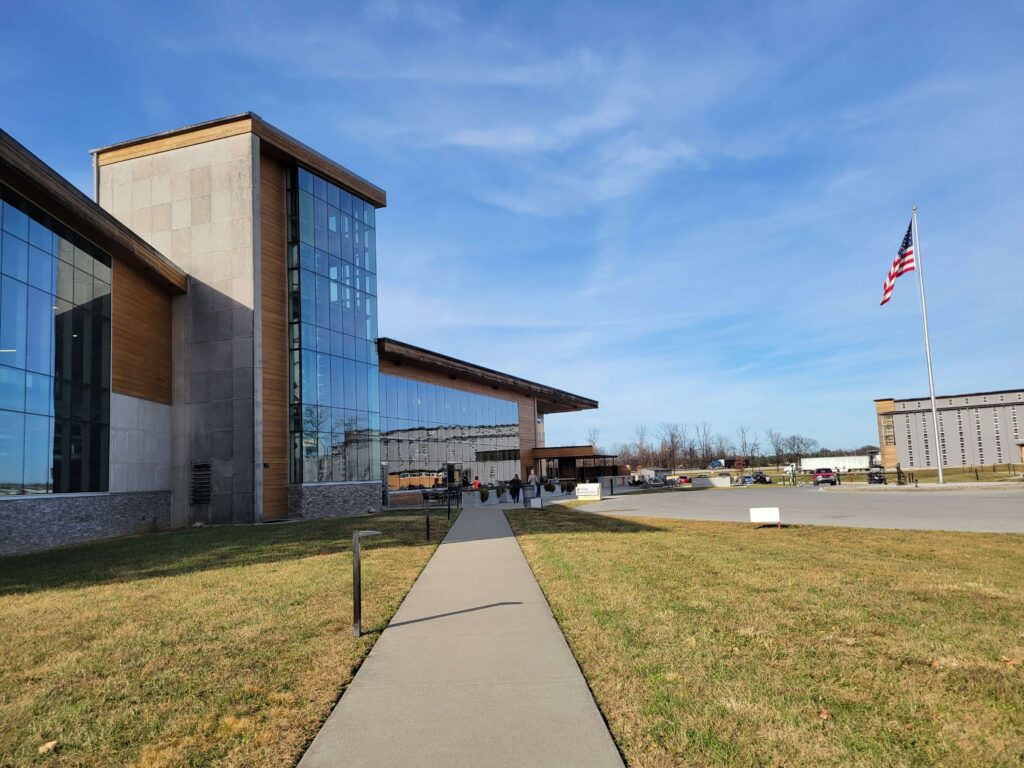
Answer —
(674, 444)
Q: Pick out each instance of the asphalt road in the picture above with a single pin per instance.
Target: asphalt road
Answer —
(997, 511)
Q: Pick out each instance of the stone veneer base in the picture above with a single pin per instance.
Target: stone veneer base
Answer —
(311, 502)
(36, 523)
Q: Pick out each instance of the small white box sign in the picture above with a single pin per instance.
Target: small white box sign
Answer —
(765, 515)
(537, 503)
(588, 491)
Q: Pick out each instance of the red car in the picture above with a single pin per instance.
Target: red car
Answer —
(826, 475)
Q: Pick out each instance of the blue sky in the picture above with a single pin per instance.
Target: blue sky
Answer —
(685, 211)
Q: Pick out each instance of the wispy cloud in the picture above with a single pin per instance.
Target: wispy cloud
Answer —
(685, 212)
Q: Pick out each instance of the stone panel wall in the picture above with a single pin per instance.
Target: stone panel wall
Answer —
(35, 523)
(140, 445)
(196, 205)
(333, 499)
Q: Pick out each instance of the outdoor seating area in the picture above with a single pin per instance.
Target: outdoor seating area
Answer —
(439, 497)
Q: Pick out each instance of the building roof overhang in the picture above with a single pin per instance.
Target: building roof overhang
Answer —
(42, 186)
(570, 452)
(275, 141)
(549, 399)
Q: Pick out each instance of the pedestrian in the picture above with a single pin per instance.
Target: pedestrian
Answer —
(476, 483)
(513, 488)
(532, 480)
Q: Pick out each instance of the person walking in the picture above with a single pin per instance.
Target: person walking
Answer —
(535, 482)
(513, 487)
(476, 483)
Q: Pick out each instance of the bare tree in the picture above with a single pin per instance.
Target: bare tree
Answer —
(798, 446)
(641, 445)
(755, 449)
(593, 436)
(778, 443)
(671, 443)
(722, 446)
(704, 445)
(686, 447)
(743, 436)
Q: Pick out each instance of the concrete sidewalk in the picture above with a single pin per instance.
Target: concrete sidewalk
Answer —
(472, 671)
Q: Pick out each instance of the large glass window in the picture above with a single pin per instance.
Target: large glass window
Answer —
(425, 426)
(54, 355)
(335, 430)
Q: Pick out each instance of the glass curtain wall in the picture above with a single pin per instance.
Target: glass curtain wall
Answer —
(54, 356)
(425, 426)
(332, 279)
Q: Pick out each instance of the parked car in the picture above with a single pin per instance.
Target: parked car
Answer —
(761, 478)
(656, 482)
(826, 475)
(747, 480)
(876, 477)
(684, 480)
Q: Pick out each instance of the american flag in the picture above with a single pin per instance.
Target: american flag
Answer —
(903, 263)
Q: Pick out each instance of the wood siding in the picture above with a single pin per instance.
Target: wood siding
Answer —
(273, 141)
(172, 140)
(527, 405)
(140, 336)
(273, 311)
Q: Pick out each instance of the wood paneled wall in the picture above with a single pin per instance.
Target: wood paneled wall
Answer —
(273, 309)
(527, 405)
(140, 336)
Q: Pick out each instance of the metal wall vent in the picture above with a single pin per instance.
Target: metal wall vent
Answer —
(201, 485)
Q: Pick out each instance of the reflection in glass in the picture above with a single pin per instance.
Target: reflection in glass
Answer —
(426, 426)
(54, 356)
(336, 437)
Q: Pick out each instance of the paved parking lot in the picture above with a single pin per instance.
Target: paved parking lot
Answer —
(998, 511)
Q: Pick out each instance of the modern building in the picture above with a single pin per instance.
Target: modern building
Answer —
(201, 346)
(975, 430)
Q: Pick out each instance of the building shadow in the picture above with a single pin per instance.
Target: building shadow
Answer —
(181, 552)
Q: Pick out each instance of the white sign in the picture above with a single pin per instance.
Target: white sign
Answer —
(536, 503)
(765, 515)
(588, 491)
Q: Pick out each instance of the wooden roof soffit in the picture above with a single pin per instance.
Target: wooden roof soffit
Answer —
(46, 189)
(549, 399)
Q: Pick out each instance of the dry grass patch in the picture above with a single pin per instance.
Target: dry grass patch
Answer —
(224, 646)
(722, 644)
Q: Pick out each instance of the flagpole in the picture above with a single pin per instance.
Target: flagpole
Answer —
(927, 347)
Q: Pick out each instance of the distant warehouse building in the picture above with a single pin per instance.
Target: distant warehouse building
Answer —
(977, 429)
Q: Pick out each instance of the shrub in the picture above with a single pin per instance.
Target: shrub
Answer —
(485, 494)
(568, 487)
(549, 487)
(500, 492)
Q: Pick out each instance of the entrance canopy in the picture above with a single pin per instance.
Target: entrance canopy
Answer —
(575, 462)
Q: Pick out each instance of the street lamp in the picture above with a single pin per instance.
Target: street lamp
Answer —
(384, 484)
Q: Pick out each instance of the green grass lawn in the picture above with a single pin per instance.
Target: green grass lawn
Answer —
(218, 646)
(725, 644)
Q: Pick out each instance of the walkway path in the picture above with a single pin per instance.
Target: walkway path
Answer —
(472, 671)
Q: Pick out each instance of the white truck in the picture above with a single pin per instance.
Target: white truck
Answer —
(838, 463)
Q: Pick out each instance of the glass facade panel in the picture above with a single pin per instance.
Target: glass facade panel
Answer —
(54, 356)
(333, 327)
(425, 426)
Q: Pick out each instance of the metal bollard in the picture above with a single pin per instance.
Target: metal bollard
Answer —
(357, 582)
